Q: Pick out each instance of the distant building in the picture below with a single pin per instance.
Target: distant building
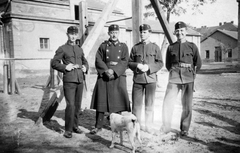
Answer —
(219, 43)
(36, 28)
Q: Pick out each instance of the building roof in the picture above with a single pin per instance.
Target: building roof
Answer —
(232, 34)
(207, 31)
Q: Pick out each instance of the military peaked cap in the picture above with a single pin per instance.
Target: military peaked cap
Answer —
(179, 25)
(145, 27)
(113, 27)
(72, 29)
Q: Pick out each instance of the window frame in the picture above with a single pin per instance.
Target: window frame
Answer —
(44, 43)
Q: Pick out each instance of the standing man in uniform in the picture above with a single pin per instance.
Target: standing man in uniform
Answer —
(110, 91)
(182, 62)
(69, 59)
(145, 61)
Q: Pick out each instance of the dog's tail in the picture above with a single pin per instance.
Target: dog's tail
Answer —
(134, 121)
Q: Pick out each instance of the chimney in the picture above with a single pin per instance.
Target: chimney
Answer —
(220, 23)
(225, 22)
(232, 22)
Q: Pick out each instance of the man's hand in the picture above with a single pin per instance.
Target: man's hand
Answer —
(84, 69)
(110, 74)
(70, 67)
(145, 68)
(140, 66)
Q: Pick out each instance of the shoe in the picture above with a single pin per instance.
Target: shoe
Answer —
(95, 130)
(77, 130)
(67, 134)
(184, 133)
(164, 131)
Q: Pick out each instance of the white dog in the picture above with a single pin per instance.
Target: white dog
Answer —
(127, 122)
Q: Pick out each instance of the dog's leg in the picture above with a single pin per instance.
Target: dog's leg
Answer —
(138, 135)
(121, 137)
(131, 136)
(113, 139)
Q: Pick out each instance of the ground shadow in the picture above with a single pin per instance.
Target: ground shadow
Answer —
(217, 147)
(219, 105)
(234, 129)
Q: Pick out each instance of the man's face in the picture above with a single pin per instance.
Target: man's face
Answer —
(113, 35)
(72, 37)
(144, 35)
(181, 33)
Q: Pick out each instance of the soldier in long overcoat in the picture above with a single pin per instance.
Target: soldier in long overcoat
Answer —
(110, 91)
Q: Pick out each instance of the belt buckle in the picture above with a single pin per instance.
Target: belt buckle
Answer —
(113, 63)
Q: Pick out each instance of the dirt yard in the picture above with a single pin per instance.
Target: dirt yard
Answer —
(215, 125)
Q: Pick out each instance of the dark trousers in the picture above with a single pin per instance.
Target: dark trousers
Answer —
(99, 119)
(138, 92)
(168, 105)
(73, 95)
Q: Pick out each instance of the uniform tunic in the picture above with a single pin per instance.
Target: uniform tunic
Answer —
(70, 54)
(186, 52)
(111, 96)
(149, 54)
(72, 81)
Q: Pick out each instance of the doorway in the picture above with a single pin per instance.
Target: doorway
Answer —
(218, 54)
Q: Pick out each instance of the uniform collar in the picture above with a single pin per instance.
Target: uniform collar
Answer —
(145, 42)
(110, 42)
(71, 44)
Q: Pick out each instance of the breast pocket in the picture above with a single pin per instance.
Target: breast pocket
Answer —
(69, 57)
(188, 56)
(138, 57)
(174, 57)
(151, 56)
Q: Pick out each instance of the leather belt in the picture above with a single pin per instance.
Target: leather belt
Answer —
(112, 63)
(182, 65)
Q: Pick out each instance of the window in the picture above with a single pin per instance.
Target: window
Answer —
(76, 11)
(207, 54)
(229, 53)
(44, 43)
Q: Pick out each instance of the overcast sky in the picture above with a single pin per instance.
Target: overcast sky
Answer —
(212, 14)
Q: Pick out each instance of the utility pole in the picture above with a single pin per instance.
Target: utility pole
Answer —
(238, 31)
(137, 19)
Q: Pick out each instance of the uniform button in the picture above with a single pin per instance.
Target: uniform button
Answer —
(107, 57)
(119, 50)
(118, 57)
(107, 50)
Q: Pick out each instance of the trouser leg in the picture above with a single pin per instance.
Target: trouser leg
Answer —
(149, 104)
(137, 99)
(187, 95)
(168, 105)
(99, 119)
(69, 93)
(78, 102)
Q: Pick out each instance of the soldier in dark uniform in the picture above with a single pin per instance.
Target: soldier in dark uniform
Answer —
(182, 62)
(110, 91)
(69, 59)
(145, 61)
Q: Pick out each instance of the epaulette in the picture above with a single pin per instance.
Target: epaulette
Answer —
(137, 43)
(105, 42)
(154, 43)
